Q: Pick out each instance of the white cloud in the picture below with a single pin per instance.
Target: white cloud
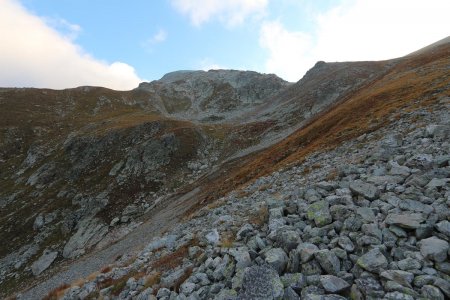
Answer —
(34, 54)
(159, 37)
(356, 30)
(231, 12)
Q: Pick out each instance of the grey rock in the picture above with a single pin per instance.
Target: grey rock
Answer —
(409, 221)
(444, 227)
(188, 288)
(38, 222)
(373, 261)
(213, 237)
(90, 232)
(173, 276)
(40, 265)
(244, 231)
(307, 251)
(398, 296)
(443, 285)
(367, 190)
(290, 294)
(242, 257)
(431, 292)
(277, 259)
(409, 264)
(366, 214)
(288, 240)
(370, 287)
(345, 243)
(328, 261)
(261, 282)
(434, 248)
(320, 213)
(333, 284)
(297, 281)
(438, 183)
(226, 294)
(402, 277)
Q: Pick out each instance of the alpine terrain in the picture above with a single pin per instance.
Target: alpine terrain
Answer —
(232, 184)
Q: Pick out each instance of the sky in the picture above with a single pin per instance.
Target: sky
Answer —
(118, 44)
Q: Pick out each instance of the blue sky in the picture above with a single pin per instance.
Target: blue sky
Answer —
(116, 43)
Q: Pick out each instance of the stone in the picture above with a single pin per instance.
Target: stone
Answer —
(443, 285)
(288, 240)
(370, 287)
(333, 284)
(42, 264)
(366, 214)
(244, 231)
(402, 277)
(408, 221)
(297, 281)
(261, 282)
(173, 276)
(437, 183)
(187, 288)
(409, 264)
(328, 261)
(114, 222)
(242, 257)
(367, 190)
(397, 296)
(443, 227)
(213, 237)
(38, 222)
(320, 213)
(373, 261)
(277, 259)
(290, 294)
(90, 232)
(431, 292)
(346, 243)
(434, 248)
(307, 251)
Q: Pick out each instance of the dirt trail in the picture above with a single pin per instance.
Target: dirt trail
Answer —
(159, 219)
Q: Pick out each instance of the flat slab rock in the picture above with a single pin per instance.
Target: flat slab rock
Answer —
(43, 262)
(408, 221)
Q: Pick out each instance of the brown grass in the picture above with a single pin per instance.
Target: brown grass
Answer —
(411, 83)
(57, 292)
(260, 217)
(106, 269)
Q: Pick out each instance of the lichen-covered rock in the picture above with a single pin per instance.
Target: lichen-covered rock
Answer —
(333, 284)
(373, 261)
(320, 213)
(261, 282)
(276, 258)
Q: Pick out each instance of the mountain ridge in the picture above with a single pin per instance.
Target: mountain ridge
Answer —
(96, 161)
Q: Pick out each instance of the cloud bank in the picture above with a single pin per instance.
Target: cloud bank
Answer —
(355, 30)
(32, 54)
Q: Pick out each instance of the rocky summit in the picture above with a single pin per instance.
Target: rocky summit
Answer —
(232, 185)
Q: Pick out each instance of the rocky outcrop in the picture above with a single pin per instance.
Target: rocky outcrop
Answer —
(90, 232)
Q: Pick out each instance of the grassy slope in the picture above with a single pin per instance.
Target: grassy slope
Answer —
(413, 82)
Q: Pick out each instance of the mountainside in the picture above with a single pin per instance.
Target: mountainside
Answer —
(82, 169)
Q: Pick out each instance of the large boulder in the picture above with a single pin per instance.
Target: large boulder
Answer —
(261, 282)
(373, 261)
(367, 190)
(277, 259)
(434, 248)
(90, 232)
(40, 265)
